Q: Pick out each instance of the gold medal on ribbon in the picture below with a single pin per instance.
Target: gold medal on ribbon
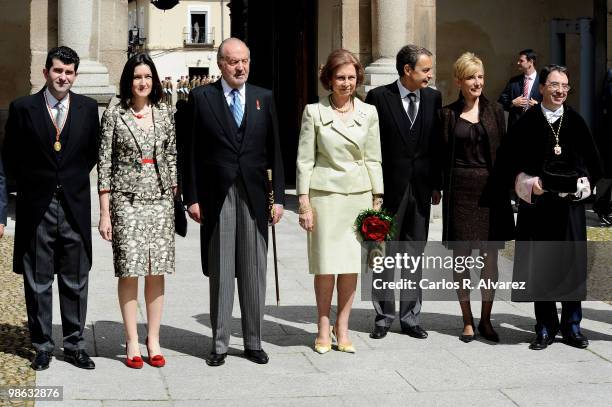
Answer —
(57, 146)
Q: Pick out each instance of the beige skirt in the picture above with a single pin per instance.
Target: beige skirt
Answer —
(334, 247)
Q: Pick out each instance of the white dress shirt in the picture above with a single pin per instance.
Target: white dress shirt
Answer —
(552, 116)
(227, 90)
(52, 103)
(405, 101)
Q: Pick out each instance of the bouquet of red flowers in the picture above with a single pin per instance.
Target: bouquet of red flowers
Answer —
(375, 225)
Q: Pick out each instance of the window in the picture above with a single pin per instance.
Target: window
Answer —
(197, 29)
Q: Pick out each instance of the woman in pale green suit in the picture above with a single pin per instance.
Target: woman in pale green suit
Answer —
(338, 174)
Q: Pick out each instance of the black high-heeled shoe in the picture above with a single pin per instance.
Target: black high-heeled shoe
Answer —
(468, 338)
(488, 335)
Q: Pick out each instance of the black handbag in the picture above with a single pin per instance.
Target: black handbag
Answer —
(180, 219)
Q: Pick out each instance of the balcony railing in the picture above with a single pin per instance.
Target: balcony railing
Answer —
(194, 37)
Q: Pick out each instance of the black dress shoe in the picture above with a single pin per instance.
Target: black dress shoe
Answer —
(41, 360)
(541, 341)
(606, 220)
(216, 359)
(415, 331)
(257, 356)
(577, 340)
(488, 333)
(467, 338)
(79, 358)
(379, 332)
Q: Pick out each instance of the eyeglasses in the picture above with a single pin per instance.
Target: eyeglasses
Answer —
(555, 86)
(234, 62)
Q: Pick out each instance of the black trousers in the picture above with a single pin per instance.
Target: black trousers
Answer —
(56, 248)
(548, 320)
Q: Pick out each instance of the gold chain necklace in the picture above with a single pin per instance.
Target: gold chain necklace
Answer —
(557, 147)
(348, 107)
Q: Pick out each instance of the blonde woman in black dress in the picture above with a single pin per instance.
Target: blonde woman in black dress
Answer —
(476, 209)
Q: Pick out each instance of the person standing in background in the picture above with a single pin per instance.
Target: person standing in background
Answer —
(522, 91)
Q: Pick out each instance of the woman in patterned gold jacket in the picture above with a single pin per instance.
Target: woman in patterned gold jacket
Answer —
(137, 179)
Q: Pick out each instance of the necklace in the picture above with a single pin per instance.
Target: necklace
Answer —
(557, 147)
(140, 115)
(348, 105)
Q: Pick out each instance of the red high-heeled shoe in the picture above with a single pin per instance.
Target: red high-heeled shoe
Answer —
(155, 360)
(135, 363)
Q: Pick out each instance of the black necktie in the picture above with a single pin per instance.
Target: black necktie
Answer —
(411, 106)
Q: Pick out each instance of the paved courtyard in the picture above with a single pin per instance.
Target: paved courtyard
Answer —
(397, 370)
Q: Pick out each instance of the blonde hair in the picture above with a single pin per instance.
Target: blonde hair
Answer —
(467, 65)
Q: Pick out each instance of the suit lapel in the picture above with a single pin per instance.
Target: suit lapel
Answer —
(397, 111)
(159, 123)
(534, 88)
(252, 113)
(328, 116)
(130, 123)
(74, 121)
(38, 113)
(219, 108)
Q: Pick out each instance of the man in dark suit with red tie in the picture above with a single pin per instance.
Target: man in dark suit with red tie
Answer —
(234, 139)
(522, 91)
(50, 147)
(412, 173)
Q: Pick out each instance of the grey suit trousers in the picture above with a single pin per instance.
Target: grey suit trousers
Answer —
(56, 248)
(237, 250)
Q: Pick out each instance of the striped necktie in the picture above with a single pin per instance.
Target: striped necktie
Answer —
(236, 107)
(526, 91)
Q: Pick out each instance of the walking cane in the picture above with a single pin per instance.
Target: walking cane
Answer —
(271, 204)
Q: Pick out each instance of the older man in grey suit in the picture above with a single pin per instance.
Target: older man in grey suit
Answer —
(234, 140)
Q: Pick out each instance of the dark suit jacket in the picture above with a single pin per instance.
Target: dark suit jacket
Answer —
(409, 161)
(29, 157)
(514, 89)
(215, 160)
(3, 195)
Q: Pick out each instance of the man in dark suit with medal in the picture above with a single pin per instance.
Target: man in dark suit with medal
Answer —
(412, 173)
(50, 147)
(522, 91)
(234, 139)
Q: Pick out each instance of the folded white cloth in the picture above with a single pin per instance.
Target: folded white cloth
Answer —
(523, 186)
(584, 189)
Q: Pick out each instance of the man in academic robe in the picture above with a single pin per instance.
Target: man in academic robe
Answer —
(549, 156)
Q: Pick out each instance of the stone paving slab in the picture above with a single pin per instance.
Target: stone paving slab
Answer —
(583, 394)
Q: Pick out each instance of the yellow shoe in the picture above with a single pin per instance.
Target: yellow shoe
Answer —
(322, 348)
(348, 348)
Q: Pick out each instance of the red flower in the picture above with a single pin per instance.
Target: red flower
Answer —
(374, 228)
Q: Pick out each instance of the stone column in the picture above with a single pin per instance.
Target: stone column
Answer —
(396, 23)
(77, 20)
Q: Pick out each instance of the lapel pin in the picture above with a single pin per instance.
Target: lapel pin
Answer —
(257, 104)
